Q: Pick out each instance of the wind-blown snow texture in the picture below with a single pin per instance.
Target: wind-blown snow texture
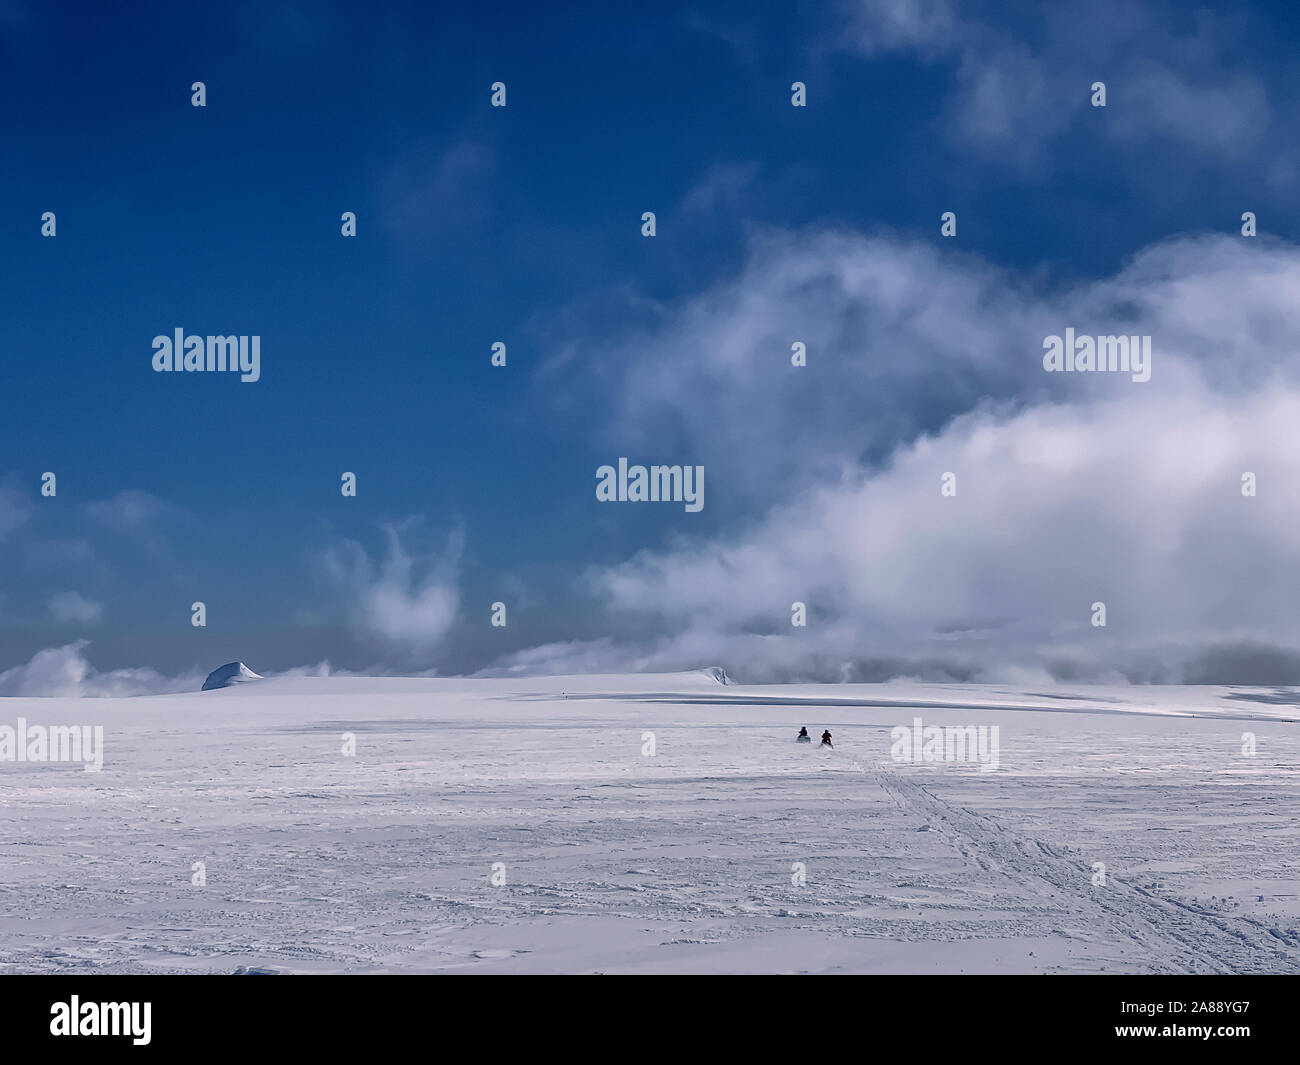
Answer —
(678, 862)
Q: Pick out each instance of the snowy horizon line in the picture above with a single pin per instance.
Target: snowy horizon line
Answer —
(63, 672)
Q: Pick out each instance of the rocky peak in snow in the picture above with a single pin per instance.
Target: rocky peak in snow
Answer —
(230, 673)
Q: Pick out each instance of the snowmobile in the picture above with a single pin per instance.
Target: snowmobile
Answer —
(803, 736)
(826, 740)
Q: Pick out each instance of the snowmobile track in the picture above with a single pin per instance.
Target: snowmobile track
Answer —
(1182, 938)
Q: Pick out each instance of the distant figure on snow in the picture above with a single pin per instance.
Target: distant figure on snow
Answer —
(826, 740)
(803, 736)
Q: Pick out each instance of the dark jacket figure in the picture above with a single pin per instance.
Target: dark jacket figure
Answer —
(803, 736)
(826, 740)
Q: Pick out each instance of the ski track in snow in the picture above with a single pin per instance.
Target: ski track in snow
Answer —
(680, 862)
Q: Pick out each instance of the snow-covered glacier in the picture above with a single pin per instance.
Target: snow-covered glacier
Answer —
(655, 823)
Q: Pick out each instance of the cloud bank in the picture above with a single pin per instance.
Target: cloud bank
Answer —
(65, 671)
(1072, 489)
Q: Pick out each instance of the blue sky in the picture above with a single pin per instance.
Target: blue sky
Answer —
(522, 224)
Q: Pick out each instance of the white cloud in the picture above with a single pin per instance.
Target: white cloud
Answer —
(132, 510)
(721, 188)
(1133, 501)
(74, 608)
(1013, 95)
(1071, 488)
(1229, 116)
(407, 601)
(927, 26)
(903, 336)
(65, 671)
